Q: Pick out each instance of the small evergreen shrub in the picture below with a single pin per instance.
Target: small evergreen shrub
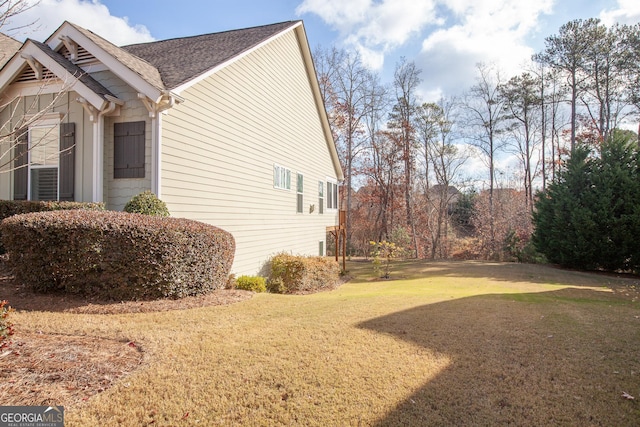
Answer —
(295, 274)
(147, 203)
(10, 208)
(251, 283)
(117, 255)
(6, 327)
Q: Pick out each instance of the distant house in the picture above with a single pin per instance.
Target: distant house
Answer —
(227, 128)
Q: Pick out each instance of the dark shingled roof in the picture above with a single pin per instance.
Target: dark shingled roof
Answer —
(74, 70)
(138, 65)
(180, 60)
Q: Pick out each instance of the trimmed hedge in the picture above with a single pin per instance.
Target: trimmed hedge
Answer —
(117, 255)
(17, 207)
(292, 274)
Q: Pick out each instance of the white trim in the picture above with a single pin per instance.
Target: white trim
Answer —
(283, 188)
(129, 76)
(54, 124)
(330, 180)
(156, 155)
(303, 42)
(98, 159)
(35, 88)
(70, 82)
(179, 89)
(300, 193)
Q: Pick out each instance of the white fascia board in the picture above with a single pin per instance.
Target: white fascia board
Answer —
(322, 111)
(129, 76)
(178, 90)
(68, 81)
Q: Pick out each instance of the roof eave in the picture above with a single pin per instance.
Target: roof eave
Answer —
(317, 95)
(70, 82)
(132, 78)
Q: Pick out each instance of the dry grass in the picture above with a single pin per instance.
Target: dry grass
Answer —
(466, 343)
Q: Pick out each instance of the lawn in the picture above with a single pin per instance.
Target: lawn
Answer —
(441, 343)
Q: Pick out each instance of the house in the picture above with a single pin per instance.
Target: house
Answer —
(227, 128)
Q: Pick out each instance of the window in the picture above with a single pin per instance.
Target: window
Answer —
(321, 248)
(332, 195)
(320, 197)
(128, 150)
(44, 161)
(300, 193)
(281, 177)
(44, 152)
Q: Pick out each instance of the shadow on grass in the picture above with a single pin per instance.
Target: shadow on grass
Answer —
(553, 358)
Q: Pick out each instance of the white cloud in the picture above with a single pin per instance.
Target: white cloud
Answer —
(489, 31)
(48, 15)
(374, 28)
(628, 12)
(463, 32)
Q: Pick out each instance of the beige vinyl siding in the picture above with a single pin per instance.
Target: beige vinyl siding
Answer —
(117, 192)
(221, 144)
(71, 112)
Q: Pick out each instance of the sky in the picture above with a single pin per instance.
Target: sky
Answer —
(446, 39)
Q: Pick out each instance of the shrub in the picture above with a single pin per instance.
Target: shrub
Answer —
(117, 255)
(10, 208)
(302, 274)
(6, 328)
(383, 254)
(147, 203)
(251, 283)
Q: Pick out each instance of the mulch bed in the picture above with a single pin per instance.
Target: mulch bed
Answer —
(50, 369)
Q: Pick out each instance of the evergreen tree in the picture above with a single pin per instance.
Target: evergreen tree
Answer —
(590, 217)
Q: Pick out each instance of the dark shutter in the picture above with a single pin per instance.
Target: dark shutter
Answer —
(67, 160)
(20, 165)
(128, 150)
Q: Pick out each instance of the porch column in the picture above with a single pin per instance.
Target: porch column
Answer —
(156, 155)
(98, 158)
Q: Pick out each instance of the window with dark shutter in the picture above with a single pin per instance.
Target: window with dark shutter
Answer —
(128, 147)
(67, 160)
(20, 165)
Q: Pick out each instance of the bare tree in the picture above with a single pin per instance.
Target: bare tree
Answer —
(443, 161)
(347, 89)
(484, 124)
(523, 106)
(405, 82)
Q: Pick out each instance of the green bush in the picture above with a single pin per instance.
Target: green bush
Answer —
(10, 208)
(251, 283)
(117, 255)
(293, 274)
(147, 203)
